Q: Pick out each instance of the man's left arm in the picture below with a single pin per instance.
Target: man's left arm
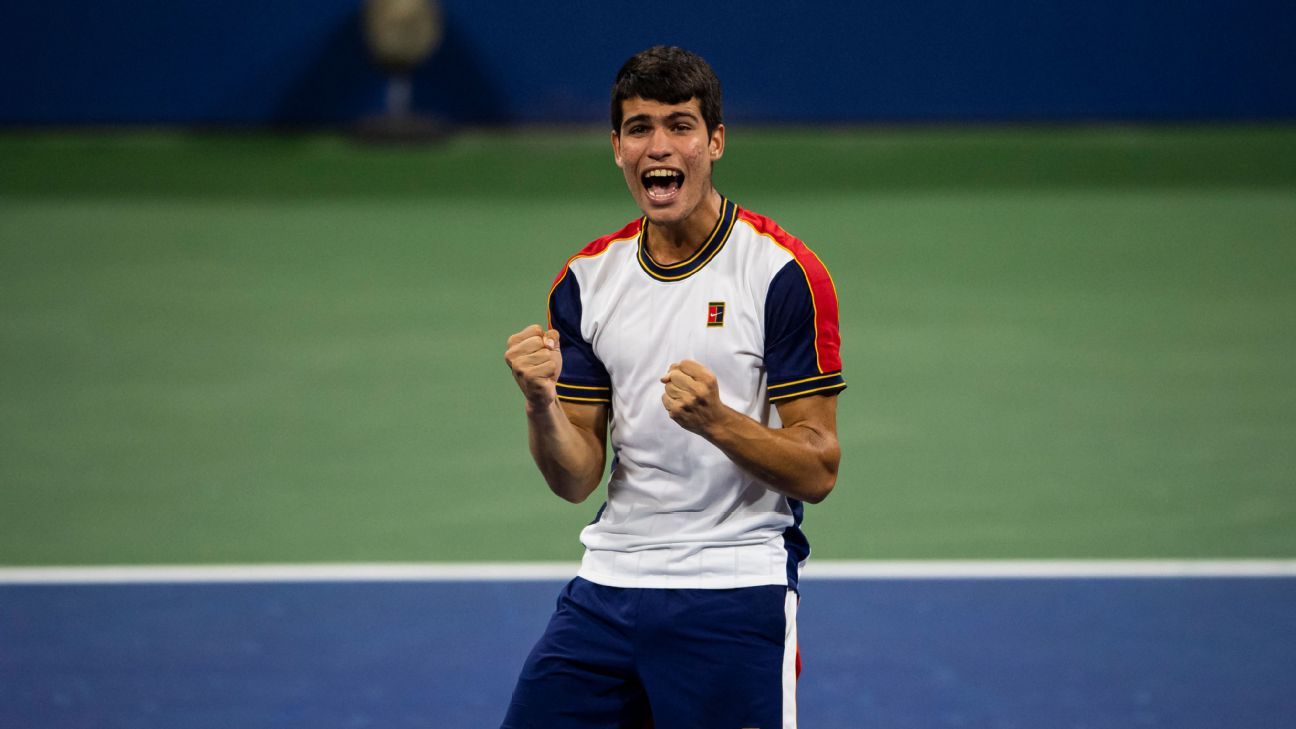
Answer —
(798, 460)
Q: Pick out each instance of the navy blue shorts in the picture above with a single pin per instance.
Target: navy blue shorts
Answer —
(689, 659)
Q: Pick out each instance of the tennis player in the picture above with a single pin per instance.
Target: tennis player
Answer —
(702, 340)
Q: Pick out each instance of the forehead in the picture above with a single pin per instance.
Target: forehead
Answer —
(637, 106)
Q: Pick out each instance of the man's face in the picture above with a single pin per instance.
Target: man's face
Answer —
(666, 155)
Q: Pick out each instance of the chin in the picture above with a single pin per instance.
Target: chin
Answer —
(665, 214)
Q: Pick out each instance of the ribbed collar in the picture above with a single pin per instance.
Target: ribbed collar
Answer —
(682, 270)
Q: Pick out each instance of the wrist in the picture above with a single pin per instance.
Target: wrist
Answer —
(540, 410)
(715, 429)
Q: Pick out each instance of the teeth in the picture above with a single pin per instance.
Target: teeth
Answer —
(660, 173)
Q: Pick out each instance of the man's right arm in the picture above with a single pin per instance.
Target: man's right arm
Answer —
(567, 439)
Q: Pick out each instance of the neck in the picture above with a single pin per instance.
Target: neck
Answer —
(671, 243)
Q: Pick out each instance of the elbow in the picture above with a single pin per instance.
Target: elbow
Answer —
(573, 492)
(572, 497)
(808, 489)
(826, 479)
(820, 490)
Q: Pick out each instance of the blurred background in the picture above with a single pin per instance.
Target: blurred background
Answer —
(258, 262)
(233, 327)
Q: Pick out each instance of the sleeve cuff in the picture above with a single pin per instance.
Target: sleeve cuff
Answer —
(818, 385)
(584, 393)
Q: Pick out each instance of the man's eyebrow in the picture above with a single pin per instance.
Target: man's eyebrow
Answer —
(637, 118)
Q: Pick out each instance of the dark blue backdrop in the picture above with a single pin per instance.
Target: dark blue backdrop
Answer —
(303, 61)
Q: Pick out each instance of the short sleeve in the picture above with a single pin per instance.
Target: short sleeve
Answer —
(802, 339)
(583, 377)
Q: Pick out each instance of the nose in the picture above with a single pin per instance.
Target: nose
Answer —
(659, 145)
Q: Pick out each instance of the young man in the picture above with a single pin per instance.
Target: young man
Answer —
(681, 329)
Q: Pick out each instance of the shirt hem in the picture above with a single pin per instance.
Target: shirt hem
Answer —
(681, 582)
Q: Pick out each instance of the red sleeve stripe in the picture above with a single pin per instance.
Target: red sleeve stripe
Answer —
(823, 292)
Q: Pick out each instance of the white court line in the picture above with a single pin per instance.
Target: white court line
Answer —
(1048, 569)
(554, 571)
(346, 572)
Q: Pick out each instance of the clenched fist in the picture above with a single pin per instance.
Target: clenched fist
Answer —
(692, 396)
(535, 358)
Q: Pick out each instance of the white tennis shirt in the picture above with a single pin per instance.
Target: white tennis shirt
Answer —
(758, 308)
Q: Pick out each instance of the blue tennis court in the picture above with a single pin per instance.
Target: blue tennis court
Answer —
(1188, 653)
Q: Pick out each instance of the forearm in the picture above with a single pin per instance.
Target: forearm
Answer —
(570, 458)
(798, 460)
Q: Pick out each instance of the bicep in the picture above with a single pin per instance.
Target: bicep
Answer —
(815, 413)
(811, 422)
(590, 418)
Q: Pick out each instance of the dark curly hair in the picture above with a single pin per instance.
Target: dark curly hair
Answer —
(669, 75)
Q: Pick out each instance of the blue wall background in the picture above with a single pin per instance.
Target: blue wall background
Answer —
(303, 61)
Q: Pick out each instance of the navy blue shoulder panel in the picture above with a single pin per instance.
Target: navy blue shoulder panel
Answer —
(583, 377)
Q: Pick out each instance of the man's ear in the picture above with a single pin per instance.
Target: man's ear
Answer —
(717, 142)
(616, 148)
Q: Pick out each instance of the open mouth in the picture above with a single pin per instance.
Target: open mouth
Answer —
(662, 185)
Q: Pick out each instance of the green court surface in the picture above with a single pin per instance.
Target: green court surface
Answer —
(1060, 343)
